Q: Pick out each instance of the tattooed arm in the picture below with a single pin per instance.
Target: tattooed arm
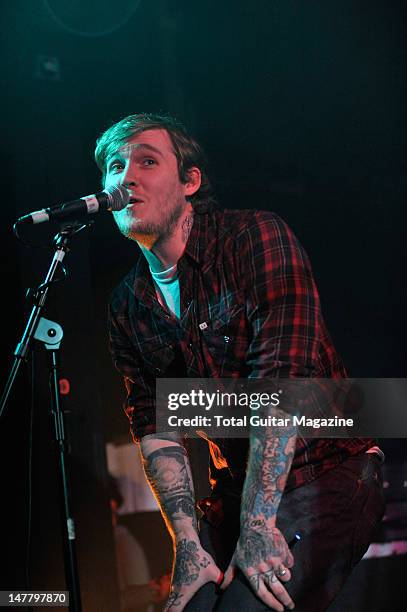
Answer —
(168, 472)
(283, 309)
(262, 552)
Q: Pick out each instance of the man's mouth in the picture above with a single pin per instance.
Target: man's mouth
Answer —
(135, 200)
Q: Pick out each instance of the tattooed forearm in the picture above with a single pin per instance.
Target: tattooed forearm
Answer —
(271, 453)
(167, 470)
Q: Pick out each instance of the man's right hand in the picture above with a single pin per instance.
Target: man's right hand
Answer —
(193, 567)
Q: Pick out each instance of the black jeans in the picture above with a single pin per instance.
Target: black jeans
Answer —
(336, 515)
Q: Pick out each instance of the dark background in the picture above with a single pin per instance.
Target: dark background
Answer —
(301, 108)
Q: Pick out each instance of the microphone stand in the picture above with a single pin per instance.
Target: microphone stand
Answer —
(50, 333)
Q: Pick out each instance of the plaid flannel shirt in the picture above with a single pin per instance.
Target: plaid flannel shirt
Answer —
(246, 276)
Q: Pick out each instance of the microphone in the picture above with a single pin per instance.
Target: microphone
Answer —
(115, 197)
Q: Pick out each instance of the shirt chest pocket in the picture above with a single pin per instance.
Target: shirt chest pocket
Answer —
(225, 337)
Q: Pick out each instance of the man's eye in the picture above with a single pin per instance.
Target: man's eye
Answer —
(115, 167)
(147, 161)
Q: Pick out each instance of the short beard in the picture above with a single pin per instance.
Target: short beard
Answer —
(162, 230)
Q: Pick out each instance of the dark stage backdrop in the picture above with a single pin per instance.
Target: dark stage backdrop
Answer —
(301, 107)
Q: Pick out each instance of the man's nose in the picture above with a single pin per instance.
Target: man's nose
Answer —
(129, 176)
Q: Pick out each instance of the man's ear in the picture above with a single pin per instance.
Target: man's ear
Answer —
(194, 181)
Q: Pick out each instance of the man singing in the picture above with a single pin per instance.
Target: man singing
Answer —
(230, 294)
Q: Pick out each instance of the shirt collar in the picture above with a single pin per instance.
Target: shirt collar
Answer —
(202, 239)
(201, 248)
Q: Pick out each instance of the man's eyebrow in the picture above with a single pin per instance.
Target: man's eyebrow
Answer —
(142, 145)
(138, 146)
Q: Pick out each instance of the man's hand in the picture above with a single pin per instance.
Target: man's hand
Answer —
(262, 554)
(193, 567)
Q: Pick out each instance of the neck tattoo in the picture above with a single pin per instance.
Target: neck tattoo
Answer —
(186, 227)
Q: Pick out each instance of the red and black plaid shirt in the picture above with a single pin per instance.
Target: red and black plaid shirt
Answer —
(245, 275)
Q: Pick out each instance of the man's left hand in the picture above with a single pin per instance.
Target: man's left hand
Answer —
(262, 554)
